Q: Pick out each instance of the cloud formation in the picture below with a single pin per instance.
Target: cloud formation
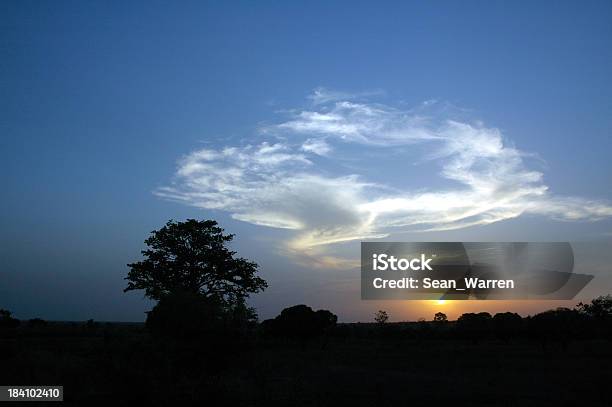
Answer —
(296, 179)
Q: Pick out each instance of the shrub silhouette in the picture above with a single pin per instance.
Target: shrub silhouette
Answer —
(300, 322)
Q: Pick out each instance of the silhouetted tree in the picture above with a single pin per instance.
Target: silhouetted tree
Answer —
(599, 314)
(600, 307)
(440, 317)
(381, 317)
(193, 256)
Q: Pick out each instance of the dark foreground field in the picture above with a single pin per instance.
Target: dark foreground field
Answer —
(360, 365)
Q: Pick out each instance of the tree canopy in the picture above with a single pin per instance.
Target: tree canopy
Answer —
(193, 256)
(600, 307)
(440, 317)
(381, 317)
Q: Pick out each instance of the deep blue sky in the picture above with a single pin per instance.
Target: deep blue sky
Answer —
(100, 100)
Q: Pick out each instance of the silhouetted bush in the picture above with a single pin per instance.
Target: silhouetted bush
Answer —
(300, 322)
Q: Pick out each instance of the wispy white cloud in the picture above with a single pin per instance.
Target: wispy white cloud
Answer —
(316, 146)
(281, 185)
(323, 95)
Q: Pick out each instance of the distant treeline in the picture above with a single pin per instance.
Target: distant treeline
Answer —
(190, 318)
(585, 321)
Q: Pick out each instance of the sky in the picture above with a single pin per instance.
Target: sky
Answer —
(303, 128)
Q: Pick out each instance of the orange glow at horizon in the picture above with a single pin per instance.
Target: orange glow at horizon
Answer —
(414, 310)
(454, 308)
